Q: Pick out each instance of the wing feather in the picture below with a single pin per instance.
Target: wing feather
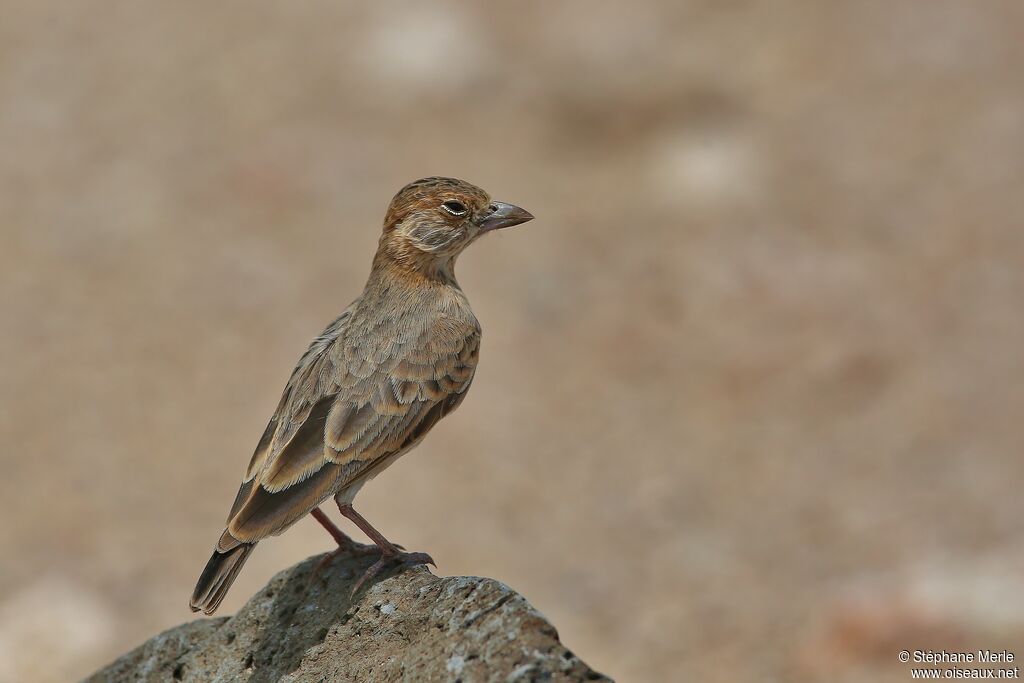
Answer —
(304, 453)
(347, 411)
(269, 512)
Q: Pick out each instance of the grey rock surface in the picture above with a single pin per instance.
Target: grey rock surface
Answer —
(409, 626)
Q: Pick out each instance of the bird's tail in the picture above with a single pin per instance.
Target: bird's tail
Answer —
(218, 576)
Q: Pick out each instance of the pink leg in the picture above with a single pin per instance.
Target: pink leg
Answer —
(346, 546)
(390, 553)
(339, 536)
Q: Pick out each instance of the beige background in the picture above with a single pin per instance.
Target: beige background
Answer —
(750, 398)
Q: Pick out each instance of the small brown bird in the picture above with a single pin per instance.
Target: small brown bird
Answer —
(400, 357)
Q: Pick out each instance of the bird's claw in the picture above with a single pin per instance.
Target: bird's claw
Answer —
(403, 558)
(352, 550)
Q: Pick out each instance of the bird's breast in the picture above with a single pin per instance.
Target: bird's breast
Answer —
(415, 346)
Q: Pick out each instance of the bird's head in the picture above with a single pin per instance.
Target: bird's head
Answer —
(430, 221)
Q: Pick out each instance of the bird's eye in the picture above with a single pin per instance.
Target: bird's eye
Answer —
(454, 208)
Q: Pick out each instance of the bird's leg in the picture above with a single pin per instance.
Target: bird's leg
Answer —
(346, 546)
(340, 537)
(390, 553)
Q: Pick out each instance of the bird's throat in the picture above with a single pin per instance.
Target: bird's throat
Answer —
(405, 263)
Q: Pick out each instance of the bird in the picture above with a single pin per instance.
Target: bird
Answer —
(400, 358)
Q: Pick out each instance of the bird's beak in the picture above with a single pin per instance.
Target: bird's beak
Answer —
(504, 216)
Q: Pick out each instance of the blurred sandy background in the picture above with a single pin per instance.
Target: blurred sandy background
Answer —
(750, 398)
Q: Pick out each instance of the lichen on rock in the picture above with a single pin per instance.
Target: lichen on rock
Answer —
(410, 626)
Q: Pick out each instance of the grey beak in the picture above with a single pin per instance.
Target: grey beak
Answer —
(504, 216)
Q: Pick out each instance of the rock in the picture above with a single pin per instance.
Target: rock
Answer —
(409, 626)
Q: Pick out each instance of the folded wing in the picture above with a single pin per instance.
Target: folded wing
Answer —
(341, 414)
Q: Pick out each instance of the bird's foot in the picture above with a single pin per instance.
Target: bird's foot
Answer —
(352, 549)
(389, 560)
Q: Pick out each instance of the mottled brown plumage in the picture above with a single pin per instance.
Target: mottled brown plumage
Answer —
(400, 358)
